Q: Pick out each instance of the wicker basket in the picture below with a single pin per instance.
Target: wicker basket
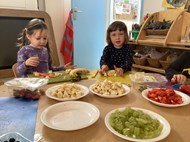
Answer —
(140, 61)
(164, 64)
(154, 62)
(160, 32)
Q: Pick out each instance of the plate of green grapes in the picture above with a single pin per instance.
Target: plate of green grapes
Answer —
(137, 124)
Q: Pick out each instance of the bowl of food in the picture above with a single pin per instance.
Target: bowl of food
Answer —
(141, 80)
(67, 92)
(166, 97)
(13, 137)
(109, 89)
(140, 125)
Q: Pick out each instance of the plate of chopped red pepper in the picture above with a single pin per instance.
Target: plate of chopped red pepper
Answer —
(166, 97)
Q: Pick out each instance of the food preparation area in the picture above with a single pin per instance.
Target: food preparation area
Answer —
(81, 128)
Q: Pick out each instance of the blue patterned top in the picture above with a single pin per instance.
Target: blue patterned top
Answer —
(121, 58)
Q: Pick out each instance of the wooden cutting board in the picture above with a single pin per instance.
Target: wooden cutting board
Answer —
(123, 79)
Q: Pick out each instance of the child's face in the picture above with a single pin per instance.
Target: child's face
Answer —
(38, 39)
(117, 38)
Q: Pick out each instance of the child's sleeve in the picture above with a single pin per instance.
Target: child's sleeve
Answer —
(128, 60)
(21, 67)
(105, 57)
(177, 66)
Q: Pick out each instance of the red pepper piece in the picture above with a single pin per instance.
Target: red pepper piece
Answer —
(185, 89)
(45, 74)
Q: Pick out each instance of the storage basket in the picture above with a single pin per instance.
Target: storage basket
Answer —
(140, 61)
(165, 64)
(155, 62)
(160, 32)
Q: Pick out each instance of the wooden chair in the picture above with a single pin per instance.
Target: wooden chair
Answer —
(14, 70)
(1, 83)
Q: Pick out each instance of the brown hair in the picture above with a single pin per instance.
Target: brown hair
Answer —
(34, 24)
(117, 25)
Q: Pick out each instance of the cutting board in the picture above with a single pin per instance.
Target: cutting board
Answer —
(123, 79)
(64, 77)
(18, 115)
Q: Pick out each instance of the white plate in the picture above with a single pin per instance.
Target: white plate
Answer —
(185, 98)
(17, 136)
(70, 115)
(165, 131)
(127, 90)
(84, 89)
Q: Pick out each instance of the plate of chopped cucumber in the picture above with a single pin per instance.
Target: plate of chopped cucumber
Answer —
(137, 124)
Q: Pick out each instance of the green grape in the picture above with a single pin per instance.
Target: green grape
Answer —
(126, 132)
(135, 123)
(136, 131)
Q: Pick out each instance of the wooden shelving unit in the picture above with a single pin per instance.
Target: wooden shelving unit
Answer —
(173, 34)
(159, 70)
(172, 40)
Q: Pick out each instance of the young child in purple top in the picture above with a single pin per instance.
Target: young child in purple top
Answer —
(117, 55)
(34, 53)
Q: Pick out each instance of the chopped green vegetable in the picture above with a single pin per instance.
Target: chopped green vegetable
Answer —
(135, 123)
(142, 88)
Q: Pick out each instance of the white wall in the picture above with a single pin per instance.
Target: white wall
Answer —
(151, 6)
(19, 4)
(58, 10)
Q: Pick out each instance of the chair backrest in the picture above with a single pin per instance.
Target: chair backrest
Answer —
(14, 70)
(1, 83)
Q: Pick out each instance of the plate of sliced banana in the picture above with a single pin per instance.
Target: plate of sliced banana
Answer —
(67, 92)
(109, 89)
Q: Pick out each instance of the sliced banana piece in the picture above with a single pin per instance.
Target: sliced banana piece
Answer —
(109, 73)
(77, 71)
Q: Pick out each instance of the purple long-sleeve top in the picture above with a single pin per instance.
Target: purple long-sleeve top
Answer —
(42, 53)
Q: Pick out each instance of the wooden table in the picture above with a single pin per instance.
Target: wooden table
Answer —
(179, 118)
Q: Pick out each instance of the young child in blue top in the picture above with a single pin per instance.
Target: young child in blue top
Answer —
(34, 53)
(117, 55)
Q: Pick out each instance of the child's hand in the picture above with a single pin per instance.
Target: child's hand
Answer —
(32, 61)
(179, 78)
(104, 69)
(69, 66)
(119, 71)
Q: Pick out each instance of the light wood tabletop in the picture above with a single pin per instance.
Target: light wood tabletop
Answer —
(179, 118)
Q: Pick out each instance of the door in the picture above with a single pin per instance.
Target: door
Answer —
(89, 32)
